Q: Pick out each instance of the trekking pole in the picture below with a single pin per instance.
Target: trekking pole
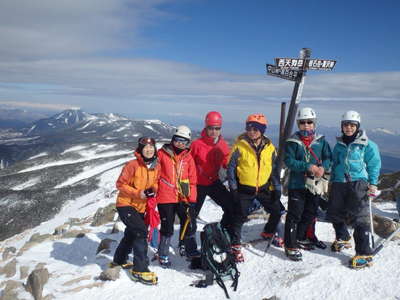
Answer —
(187, 221)
(371, 221)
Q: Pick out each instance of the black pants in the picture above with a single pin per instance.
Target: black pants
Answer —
(243, 201)
(349, 204)
(167, 215)
(302, 209)
(134, 240)
(217, 192)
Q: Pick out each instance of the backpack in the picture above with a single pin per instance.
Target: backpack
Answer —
(217, 256)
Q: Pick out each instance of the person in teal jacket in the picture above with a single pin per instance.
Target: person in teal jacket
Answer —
(354, 177)
(307, 154)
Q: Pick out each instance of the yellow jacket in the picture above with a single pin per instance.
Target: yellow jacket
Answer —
(249, 169)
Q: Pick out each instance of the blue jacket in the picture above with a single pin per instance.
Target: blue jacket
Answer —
(298, 159)
(360, 160)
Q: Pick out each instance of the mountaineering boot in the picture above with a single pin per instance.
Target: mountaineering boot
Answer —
(149, 278)
(164, 261)
(266, 236)
(293, 254)
(237, 252)
(339, 245)
(317, 243)
(305, 244)
(360, 261)
(193, 254)
(276, 240)
(125, 265)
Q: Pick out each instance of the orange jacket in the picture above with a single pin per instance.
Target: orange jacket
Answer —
(136, 177)
(176, 168)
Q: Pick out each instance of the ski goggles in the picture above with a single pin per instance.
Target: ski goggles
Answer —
(147, 141)
(303, 122)
(217, 128)
(181, 140)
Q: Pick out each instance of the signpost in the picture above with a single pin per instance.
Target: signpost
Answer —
(295, 69)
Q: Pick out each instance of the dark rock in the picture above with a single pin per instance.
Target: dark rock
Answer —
(384, 226)
(105, 244)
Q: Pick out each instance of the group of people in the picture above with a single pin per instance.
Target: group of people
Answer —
(180, 175)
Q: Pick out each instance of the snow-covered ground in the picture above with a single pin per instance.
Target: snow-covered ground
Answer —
(321, 275)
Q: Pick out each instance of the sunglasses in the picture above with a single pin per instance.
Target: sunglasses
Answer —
(213, 128)
(147, 141)
(181, 140)
(309, 122)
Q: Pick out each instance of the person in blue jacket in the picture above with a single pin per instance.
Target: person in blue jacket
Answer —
(307, 154)
(354, 177)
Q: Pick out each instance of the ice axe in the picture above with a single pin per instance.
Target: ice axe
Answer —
(187, 221)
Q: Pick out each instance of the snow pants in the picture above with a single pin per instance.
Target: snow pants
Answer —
(220, 195)
(349, 204)
(167, 215)
(243, 201)
(134, 240)
(302, 210)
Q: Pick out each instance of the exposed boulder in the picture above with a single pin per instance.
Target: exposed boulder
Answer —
(10, 269)
(110, 274)
(105, 245)
(104, 215)
(8, 252)
(36, 281)
(385, 226)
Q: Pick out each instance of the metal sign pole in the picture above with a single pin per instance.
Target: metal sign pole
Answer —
(305, 53)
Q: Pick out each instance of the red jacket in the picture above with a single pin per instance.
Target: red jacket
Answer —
(209, 157)
(175, 168)
(136, 177)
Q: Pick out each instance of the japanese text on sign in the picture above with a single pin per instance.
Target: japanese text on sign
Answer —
(290, 63)
(282, 73)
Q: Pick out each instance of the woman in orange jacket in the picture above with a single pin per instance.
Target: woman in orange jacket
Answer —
(136, 184)
(177, 193)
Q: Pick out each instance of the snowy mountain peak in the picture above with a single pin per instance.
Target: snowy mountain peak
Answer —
(384, 131)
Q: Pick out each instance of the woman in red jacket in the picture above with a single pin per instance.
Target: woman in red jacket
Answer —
(137, 183)
(176, 192)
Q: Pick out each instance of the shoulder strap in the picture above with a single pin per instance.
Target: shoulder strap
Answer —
(313, 154)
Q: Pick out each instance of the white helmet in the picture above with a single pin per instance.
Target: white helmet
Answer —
(183, 131)
(351, 116)
(306, 113)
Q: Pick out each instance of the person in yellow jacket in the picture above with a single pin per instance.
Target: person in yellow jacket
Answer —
(252, 174)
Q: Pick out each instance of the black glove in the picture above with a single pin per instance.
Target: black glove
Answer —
(149, 193)
(276, 195)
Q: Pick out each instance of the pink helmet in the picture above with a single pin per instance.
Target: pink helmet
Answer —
(213, 118)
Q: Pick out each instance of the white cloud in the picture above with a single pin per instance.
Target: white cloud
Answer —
(60, 54)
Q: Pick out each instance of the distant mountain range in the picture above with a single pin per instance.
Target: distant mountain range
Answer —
(59, 159)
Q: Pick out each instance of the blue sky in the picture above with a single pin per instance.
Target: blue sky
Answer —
(176, 60)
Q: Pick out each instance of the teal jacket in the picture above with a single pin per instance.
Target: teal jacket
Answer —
(360, 160)
(298, 159)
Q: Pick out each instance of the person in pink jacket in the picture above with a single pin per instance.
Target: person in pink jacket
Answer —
(176, 192)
